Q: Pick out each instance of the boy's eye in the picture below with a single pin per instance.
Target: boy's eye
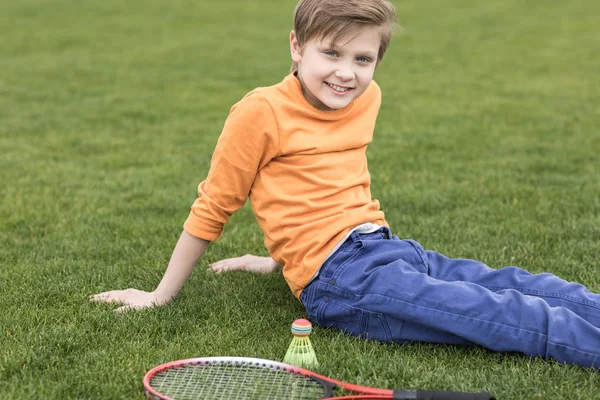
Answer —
(331, 53)
(363, 59)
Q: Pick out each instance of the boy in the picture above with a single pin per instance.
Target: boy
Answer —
(297, 150)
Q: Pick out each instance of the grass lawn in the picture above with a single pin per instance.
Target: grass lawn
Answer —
(487, 146)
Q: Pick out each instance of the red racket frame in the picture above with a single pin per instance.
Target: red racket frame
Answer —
(363, 392)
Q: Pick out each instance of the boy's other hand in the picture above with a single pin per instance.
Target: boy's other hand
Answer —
(250, 263)
(131, 299)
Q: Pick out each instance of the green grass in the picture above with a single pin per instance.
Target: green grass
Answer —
(486, 147)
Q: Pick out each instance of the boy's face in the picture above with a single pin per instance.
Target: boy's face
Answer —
(334, 74)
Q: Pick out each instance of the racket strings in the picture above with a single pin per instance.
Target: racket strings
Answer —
(234, 380)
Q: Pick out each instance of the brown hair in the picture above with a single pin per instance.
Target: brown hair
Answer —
(336, 18)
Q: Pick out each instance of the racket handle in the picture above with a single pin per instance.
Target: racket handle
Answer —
(439, 395)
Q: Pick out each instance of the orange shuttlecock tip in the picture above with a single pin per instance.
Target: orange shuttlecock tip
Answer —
(301, 327)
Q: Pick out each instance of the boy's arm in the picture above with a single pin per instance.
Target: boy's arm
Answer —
(185, 256)
(248, 142)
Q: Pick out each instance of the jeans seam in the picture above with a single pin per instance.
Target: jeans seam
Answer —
(421, 254)
(546, 294)
(596, 355)
(385, 324)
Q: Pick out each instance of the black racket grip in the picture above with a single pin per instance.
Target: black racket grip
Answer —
(439, 395)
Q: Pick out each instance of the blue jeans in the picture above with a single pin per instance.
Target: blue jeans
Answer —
(380, 287)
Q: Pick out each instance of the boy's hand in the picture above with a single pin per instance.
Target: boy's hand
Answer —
(250, 263)
(131, 299)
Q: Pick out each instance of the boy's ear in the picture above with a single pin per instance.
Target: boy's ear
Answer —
(295, 47)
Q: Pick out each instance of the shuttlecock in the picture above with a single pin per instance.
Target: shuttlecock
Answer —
(301, 353)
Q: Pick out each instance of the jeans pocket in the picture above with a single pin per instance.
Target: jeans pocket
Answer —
(352, 320)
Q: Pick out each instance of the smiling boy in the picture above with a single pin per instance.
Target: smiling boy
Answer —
(297, 150)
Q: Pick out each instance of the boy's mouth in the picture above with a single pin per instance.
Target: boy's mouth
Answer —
(338, 88)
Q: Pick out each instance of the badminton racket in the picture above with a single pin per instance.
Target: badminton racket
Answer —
(236, 378)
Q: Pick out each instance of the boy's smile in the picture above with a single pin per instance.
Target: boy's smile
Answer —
(338, 90)
(334, 74)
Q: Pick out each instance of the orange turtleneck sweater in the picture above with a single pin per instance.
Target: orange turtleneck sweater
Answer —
(304, 170)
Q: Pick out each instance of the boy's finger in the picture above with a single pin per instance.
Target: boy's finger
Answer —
(110, 293)
(110, 297)
(125, 309)
(226, 266)
(214, 269)
(99, 296)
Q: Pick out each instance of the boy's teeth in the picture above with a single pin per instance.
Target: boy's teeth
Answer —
(338, 88)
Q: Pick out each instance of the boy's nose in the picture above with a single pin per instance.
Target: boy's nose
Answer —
(345, 73)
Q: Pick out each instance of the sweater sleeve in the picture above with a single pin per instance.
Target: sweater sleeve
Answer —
(249, 140)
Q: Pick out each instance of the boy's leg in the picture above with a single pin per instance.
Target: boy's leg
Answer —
(555, 291)
(381, 289)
